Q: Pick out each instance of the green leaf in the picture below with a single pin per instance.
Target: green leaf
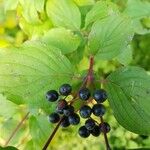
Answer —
(129, 96)
(100, 10)
(139, 28)
(64, 13)
(109, 36)
(63, 39)
(30, 71)
(31, 10)
(29, 145)
(40, 130)
(11, 107)
(8, 148)
(34, 31)
(125, 57)
(84, 2)
(138, 10)
(10, 4)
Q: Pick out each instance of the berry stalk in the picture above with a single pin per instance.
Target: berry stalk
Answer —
(89, 78)
(17, 128)
(52, 135)
(105, 135)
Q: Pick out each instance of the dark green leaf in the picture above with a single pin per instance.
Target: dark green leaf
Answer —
(129, 97)
(8, 148)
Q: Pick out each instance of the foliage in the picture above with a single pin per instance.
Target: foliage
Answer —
(44, 43)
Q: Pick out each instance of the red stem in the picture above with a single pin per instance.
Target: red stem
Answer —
(89, 77)
(105, 135)
(16, 129)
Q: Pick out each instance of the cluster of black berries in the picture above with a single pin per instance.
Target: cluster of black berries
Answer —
(63, 110)
(66, 112)
(92, 126)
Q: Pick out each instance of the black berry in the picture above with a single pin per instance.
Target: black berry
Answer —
(98, 110)
(105, 127)
(68, 110)
(52, 95)
(60, 106)
(85, 111)
(84, 94)
(65, 123)
(100, 95)
(65, 89)
(96, 131)
(54, 118)
(90, 124)
(74, 119)
(84, 132)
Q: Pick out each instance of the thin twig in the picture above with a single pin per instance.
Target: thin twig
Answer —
(52, 135)
(16, 129)
(105, 135)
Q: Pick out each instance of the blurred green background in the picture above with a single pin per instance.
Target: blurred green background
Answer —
(14, 30)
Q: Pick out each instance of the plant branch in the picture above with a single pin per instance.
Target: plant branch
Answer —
(88, 78)
(105, 135)
(52, 135)
(16, 129)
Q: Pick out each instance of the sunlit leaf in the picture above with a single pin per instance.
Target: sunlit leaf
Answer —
(29, 71)
(63, 39)
(64, 13)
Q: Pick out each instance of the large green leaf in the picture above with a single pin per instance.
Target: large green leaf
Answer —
(64, 13)
(138, 9)
(29, 71)
(40, 129)
(63, 39)
(129, 96)
(100, 10)
(109, 36)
